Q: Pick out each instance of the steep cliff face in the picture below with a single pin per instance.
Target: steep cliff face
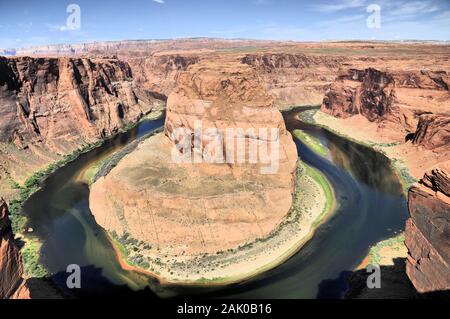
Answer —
(12, 285)
(433, 131)
(159, 73)
(398, 97)
(295, 79)
(428, 231)
(222, 95)
(50, 107)
(371, 95)
(64, 101)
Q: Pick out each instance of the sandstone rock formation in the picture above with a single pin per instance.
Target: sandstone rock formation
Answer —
(221, 96)
(50, 107)
(12, 285)
(295, 79)
(183, 210)
(433, 131)
(159, 73)
(428, 231)
(402, 110)
(394, 98)
(62, 101)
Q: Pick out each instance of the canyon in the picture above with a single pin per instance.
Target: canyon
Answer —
(428, 231)
(198, 209)
(406, 115)
(401, 113)
(52, 107)
(393, 97)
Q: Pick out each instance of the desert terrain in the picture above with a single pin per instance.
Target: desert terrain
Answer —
(57, 101)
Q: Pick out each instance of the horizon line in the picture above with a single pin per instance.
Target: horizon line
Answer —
(223, 39)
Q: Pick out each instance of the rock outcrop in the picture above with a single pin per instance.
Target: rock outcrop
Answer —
(394, 97)
(433, 131)
(222, 96)
(176, 210)
(159, 73)
(12, 284)
(50, 107)
(63, 102)
(295, 79)
(428, 231)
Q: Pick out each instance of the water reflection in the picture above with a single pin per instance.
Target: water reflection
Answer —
(371, 208)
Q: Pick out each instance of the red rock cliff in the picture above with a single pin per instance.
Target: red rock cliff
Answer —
(295, 79)
(159, 73)
(428, 231)
(50, 107)
(433, 131)
(63, 102)
(12, 285)
(398, 97)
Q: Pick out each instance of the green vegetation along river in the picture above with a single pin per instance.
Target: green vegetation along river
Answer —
(371, 207)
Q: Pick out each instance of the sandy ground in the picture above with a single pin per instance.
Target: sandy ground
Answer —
(262, 255)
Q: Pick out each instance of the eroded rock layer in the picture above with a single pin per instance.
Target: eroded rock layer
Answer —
(181, 210)
(433, 131)
(395, 98)
(159, 73)
(12, 285)
(62, 101)
(428, 231)
(50, 107)
(295, 79)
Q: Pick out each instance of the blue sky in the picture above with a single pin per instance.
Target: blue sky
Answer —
(27, 22)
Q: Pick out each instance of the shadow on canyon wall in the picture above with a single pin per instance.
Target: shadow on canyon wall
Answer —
(395, 284)
(93, 286)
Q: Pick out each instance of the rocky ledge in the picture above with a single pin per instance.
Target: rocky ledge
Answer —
(395, 98)
(433, 131)
(52, 107)
(12, 284)
(295, 79)
(428, 231)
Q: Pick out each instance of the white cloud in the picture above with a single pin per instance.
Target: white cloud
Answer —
(59, 27)
(350, 19)
(340, 5)
(159, 1)
(411, 8)
(54, 27)
(444, 16)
